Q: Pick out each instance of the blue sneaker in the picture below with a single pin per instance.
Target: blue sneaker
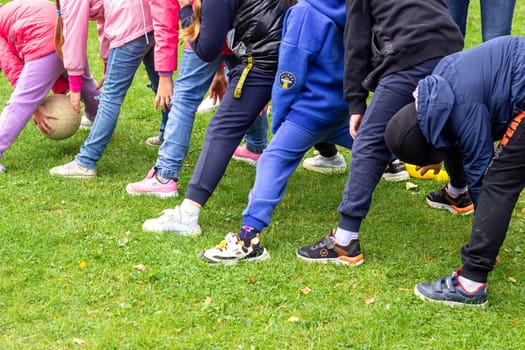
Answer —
(448, 291)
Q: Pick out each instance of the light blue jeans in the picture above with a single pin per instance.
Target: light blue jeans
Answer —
(193, 80)
(123, 63)
(496, 16)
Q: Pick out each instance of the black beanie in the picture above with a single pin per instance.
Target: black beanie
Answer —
(405, 140)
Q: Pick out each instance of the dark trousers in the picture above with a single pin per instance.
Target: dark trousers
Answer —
(370, 155)
(227, 128)
(500, 190)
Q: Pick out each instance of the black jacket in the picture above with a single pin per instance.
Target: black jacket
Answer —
(386, 36)
(257, 31)
(252, 28)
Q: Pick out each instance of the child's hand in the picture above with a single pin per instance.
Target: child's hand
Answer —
(74, 98)
(218, 86)
(164, 93)
(41, 120)
(424, 169)
(355, 122)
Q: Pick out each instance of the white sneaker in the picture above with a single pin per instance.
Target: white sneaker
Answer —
(175, 221)
(154, 141)
(324, 165)
(73, 170)
(85, 123)
(396, 171)
(232, 249)
(2, 168)
(207, 105)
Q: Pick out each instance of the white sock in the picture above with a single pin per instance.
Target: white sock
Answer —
(456, 191)
(469, 285)
(343, 237)
(189, 212)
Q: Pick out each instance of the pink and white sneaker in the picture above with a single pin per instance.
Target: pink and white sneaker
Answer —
(244, 155)
(153, 187)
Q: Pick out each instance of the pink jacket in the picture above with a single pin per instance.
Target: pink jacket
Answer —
(26, 34)
(119, 22)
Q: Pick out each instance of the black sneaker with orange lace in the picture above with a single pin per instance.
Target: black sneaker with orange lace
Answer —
(328, 250)
(461, 205)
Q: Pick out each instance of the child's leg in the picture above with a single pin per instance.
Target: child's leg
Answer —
(193, 80)
(274, 168)
(149, 64)
(123, 62)
(500, 190)
(496, 18)
(89, 94)
(35, 81)
(257, 136)
(459, 11)
(226, 129)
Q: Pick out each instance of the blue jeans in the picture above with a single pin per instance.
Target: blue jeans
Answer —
(496, 16)
(193, 80)
(123, 63)
(279, 161)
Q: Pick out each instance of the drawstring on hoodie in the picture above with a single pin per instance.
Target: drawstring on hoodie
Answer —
(144, 21)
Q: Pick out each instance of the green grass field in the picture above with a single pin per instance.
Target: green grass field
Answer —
(70, 252)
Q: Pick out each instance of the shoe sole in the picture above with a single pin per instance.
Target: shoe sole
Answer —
(402, 176)
(152, 144)
(193, 233)
(323, 170)
(356, 261)
(74, 176)
(245, 160)
(447, 302)
(162, 195)
(452, 209)
(265, 255)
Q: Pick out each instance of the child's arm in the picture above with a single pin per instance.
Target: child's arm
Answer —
(9, 63)
(295, 52)
(216, 20)
(165, 13)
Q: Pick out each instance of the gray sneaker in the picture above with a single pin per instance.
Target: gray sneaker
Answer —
(324, 165)
(448, 291)
(154, 141)
(73, 170)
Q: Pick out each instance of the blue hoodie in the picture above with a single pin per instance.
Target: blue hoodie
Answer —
(469, 100)
(308, 86)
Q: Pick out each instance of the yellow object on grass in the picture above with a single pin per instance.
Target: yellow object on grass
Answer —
(442, 176)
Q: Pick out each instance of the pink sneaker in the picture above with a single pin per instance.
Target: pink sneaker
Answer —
(152, 187)
(244, 155)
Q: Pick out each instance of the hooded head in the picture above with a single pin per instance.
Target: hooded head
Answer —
(406, 141)
(333, 9)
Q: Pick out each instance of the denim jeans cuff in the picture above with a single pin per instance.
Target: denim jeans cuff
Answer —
(255, 148)
(168, 173)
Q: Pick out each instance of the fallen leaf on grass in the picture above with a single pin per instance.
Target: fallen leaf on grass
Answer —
(369, 301)
(306, 290)
(140, 267)
(512, 279)
(207, 301)
(252, 280)
(82, 265)
(293, 319)
(78, 341)
(410, 186)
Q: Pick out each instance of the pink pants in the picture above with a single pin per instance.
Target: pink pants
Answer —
(35, 82)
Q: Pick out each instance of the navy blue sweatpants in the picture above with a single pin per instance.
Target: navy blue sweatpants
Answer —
(370, 155)
(227, 128)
